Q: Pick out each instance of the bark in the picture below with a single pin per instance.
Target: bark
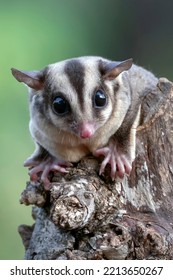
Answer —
(87, 216)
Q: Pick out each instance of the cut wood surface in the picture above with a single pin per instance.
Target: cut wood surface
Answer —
(87, 216)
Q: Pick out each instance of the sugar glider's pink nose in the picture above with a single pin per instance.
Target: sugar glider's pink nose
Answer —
(86, 130)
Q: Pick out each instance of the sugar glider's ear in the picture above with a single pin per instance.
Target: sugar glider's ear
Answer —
(112, 69)
(33, 79)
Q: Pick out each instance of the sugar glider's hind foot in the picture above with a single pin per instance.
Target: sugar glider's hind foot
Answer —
(119, 162)
(40, 169)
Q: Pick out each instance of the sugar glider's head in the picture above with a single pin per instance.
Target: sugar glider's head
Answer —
(76, 95)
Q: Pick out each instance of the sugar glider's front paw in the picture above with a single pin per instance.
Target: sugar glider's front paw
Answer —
(44, 167)
(120, 163)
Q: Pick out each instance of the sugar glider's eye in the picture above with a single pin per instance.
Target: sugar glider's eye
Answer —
(60, 106)
(100, 99)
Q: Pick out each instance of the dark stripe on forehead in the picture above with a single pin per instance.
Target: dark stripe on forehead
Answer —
(75, 72)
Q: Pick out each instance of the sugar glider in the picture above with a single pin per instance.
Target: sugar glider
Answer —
(84, 105)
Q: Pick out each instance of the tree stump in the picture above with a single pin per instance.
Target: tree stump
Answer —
(87, 216)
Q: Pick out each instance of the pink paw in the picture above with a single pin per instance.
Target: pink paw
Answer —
(119, 162)
(45, 166)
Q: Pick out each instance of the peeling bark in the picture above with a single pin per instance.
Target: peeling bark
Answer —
(86, 216)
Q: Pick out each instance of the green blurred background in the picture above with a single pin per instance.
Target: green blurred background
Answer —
(36, 33)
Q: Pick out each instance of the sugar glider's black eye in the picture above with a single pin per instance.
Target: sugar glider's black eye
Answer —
(60, 106)
(100, 99)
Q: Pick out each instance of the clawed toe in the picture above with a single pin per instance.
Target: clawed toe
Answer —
(120, 163)
(104, 163)
(40, 170)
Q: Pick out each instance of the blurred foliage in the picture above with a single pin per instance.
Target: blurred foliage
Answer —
(36, 33)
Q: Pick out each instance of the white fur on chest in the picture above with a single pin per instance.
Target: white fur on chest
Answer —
(64, 145)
